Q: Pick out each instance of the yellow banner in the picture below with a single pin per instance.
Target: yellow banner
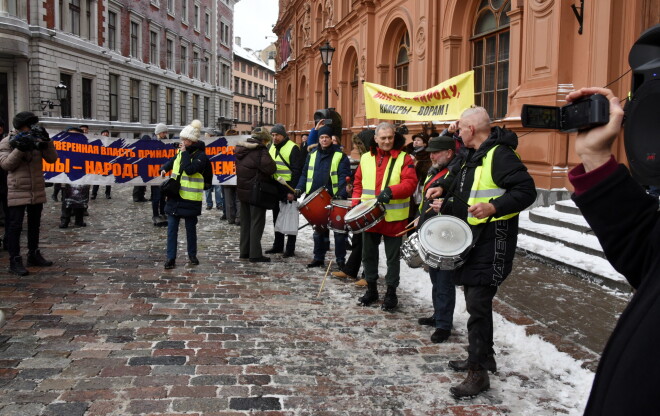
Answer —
(445, 101)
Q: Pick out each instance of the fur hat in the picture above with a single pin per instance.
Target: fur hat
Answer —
(24, 119)
(325, 130)
(423, 137)
(363, 140)
(262, 135)
(279, 129)
(160, 128)
(437, 144)
(192, 131)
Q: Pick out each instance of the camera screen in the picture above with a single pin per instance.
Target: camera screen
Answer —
(542, 117)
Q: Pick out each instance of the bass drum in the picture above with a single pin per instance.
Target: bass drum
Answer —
(444, 242)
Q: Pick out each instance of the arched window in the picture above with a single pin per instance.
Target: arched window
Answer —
(402, 63)
(355, 82)
(491, 56)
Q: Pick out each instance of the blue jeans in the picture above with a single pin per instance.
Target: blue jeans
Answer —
(322, 244)
(173, 233)
(219, 199)
(444, 297)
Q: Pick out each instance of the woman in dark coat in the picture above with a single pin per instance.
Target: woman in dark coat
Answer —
(252, 162)
(189, 163)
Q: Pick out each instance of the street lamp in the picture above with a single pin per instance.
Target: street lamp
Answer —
(61, 93)
(261, 98)
(326, 56)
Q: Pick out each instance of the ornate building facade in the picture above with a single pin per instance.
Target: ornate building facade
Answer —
(127, 64)
(522, 51)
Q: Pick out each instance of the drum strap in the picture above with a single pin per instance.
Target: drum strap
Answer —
(389, 173)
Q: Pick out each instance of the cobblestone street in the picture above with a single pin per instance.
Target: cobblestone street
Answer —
(108, 331)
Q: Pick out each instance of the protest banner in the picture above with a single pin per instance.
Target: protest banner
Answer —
(445, 101)
(101, 160)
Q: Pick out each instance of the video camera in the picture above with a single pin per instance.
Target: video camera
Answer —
(329, 114)
(35, 138)
(583, 114)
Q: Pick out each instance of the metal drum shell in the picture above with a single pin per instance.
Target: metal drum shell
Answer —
(410, 252)
(455, 233)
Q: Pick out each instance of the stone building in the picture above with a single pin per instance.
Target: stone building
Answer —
(252, 78)
(127, 64)
(522, 51)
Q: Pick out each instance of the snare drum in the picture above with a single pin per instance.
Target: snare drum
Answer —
(410, 252)
(364, 216)
(338, 209)
(315, 208)
(444, 242)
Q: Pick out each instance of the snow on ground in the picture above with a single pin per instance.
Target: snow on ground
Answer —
(530, 369)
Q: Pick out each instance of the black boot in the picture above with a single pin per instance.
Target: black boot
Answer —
(371, 295)
(390, 301)
(476, 381)
(16, 266)
(464, 365)
(64, 223)
(34, 258)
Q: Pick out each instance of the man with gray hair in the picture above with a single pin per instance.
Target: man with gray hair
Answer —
(386, 173)
(495, 186)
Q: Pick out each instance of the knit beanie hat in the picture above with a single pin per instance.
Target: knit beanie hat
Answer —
(279, 129)
(24, 118)
(192, 131)
(325, 130)
(160, 128)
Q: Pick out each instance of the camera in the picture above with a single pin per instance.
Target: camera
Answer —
(327, 121)
(583, 114)
(35, 138)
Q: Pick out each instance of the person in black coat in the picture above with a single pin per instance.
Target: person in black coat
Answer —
(189, 164)
(626, 221)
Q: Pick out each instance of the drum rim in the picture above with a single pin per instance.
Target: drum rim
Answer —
(341, 203)
(371, 201)
(462, 225)
(311, 196)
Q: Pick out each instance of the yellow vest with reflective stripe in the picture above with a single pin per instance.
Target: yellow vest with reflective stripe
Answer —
(284, 156)
(484, 188)
(428, 178)
(334, 169)
(192, 187)
(396, 209)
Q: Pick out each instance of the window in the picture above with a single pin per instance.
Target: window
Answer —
(112, 31)
(196, 17)
(491, 57)
(169, 54)
(237, 65)
(195, 106)
(170, 8)
(243, 87)
(243, 111)
(207, 104)
(114, 97)
(74, 16)
(135, 100)
(87, 25)
(207, 24)
(236, 86)
(87, 97)
(183, 107)
(205, 68)
(184, 60)
(355, 87)
(224, 33)
(243, 67)
(249, 113)
(169, 106)
(66, 105)
(153, 47)
(402, 63)
(153, 103)
(195, 64)
(249, 88)
(135, 39)
(184, 11)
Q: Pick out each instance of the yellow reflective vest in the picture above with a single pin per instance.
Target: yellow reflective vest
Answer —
(396, 209)
(280, 158)
(484, 188)
(192, 186)
(334, 169)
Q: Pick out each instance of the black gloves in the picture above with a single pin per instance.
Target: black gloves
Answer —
(385, 196)
(22, 142)
(297, 193)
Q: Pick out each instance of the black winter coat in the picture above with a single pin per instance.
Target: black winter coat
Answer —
(252, 161)
(627, 223)
(491, 259)
(193, 160)
(295, 163)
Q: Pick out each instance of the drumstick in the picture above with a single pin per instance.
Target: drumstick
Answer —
(283, 182)
(326, 275)
(405, 231)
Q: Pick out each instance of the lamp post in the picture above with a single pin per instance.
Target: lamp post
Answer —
(62, 95)
(326, 56)
(261, 98)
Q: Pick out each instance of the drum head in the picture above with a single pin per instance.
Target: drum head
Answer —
(312, 196)
(342, 203)
(445, 235)
(360, 209)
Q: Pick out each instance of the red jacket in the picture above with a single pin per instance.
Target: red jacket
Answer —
(402, 190)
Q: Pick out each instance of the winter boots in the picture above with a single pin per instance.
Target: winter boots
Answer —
(34, 258)
(370, 296)
(476, 381)
(390, 301)
(463, 365)
(16, 266)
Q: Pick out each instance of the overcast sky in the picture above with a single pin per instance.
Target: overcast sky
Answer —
(254, 20)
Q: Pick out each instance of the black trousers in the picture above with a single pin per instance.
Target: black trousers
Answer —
(139, 192)
(157, 201)
(15, 226)
(95, 189)
(278, 244)
(354, 261)
(479, 303)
